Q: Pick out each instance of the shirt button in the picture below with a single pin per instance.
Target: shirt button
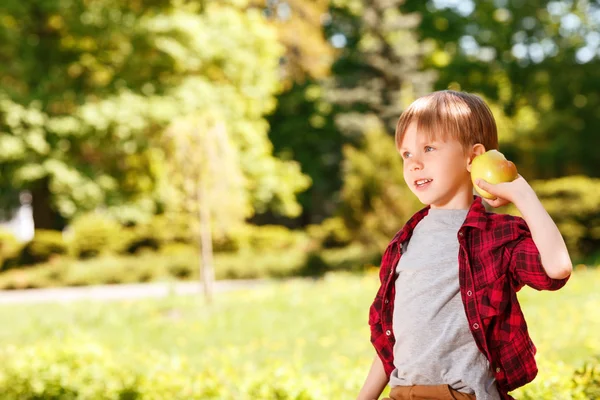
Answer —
(469, 293)
(476, 326)
(461, 233)
(498, 369)
(386, 301)
(388, 332)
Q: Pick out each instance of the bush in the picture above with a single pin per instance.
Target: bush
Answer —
(331, 233)
(258, 238)
(574, 204)
(141, 237)
(587, 378)
(314, 266)
(271, 237)
(44, 245)
(374, 201)
(69, 372)
(10, 248)
(81, 370)
(112, 269)
(172, 228)
(95, 234)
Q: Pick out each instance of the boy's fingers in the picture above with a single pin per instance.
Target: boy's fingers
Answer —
(488, 187)
(482, 184)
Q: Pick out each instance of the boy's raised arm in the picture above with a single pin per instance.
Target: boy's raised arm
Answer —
(544, 232)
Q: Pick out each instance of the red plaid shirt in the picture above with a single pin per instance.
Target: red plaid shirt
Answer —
(496, 258)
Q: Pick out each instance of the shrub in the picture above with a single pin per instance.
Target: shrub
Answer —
(272, 237)
(85, 371)
(141, 237)
(94, 234)
(331, 233)
(314, 266)
(10, 248)
(82, 370)
(374, 201)
(574, 204)
(44, 245)
(258, 238)
(587, 378)
(172, 228)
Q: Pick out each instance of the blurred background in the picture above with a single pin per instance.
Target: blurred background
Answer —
(171, 140)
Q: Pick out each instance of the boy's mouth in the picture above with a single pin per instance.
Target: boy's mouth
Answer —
(422, 183)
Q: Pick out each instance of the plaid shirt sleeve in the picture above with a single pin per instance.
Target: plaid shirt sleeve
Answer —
(381, 341)
(526, 264)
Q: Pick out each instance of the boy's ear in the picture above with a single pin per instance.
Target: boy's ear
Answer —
(476, 150)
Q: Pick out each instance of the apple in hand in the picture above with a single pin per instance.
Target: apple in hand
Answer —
(494, 168)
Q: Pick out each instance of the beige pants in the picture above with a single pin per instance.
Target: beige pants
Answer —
(436, 392)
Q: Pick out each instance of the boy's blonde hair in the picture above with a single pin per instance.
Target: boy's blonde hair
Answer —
(451, 115)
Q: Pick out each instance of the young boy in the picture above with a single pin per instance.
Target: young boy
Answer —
(446, 323)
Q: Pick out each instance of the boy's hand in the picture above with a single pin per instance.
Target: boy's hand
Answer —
(508, 192)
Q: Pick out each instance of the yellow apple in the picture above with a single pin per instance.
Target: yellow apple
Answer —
(492, 167)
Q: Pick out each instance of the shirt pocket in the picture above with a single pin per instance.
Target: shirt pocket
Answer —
(515, 364)
(495, 308)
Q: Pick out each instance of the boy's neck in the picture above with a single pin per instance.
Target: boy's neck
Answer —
(460, 201)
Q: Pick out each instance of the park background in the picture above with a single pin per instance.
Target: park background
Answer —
(150, 140)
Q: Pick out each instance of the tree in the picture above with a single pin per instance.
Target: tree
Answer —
(299, 24)
(379, 69)
(208, 183)
(375, 199)
(538, 61)
(83, 109)
(301, 127)
(377, 75)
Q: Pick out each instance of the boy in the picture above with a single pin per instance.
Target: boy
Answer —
(446, 323)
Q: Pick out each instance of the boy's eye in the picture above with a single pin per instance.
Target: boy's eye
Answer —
(428, 149)
(406, 154)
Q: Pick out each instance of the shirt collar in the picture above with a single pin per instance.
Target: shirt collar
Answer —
(476, 218)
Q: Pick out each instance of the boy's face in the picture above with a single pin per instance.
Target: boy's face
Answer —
(436, 171)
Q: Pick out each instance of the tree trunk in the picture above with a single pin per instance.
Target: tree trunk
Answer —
(44, 217)
(207, 272)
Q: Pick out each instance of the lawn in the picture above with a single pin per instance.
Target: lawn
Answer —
(301, 339)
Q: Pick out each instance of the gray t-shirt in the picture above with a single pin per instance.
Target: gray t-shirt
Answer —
(434, 345)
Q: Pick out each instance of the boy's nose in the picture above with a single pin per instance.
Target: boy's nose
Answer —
(416, 165)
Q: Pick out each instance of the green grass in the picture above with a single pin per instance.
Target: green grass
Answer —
(313, 332)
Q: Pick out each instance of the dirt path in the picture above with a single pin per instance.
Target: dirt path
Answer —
(118, 292)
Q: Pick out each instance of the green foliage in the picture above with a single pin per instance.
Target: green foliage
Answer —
(554, 381)
(271, 237)
(181, 262)
(315, 266)
(308, 55)
(330, 233)
(172, 227)
(378, 72)
(175, 348)
(259, 238)
(71, 372)
(80, 370)
(43, 246)
(573, 202)
(587, 378)
(10, 249)
(86, 98)
(375, 199)
(536, 62)
(93, 234)
(142, 237)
